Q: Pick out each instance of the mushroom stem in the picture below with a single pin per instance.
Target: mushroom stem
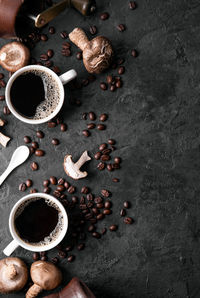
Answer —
(33, 291)
(79, 38)
(2, 122)
(11, 271)
(4, 139)
(84, 157)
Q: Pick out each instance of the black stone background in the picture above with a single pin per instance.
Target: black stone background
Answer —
(155, 120)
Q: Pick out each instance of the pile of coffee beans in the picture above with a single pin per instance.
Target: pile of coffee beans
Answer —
(92, 117)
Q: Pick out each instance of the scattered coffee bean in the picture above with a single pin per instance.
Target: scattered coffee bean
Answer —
(57, 193)
(27, 140)
(22, 187)
(107, 204)
(40, 134)
(93, 30)
(50, 53)
(116, 166)
(122, 212)
(63, 34)
(75, 199)
(64, 198)
(126, 204)
(121, 27)
(2, 83)
(113, 228)
(100, 216)
(71, 258)
(43, 37)
(36, 256)
(56, 69)
(54, 260)
(85, 190)
(86, 133)
(112, 88)
(91, 228)
(115, 180)
(2, 97)
(29, 182)
(69, 248)
(107, 211)
(103, 146)
(132, 5)
(6, 110)
(55, 142)
(35, 145)
(66, 45)
(63, 127)
(71, 189)
(66, 52)
(104, 230)
(101, 166)
(60, 188)
(91, 125)
(1, 76)
(98, 200)
(120, 61)
(34, 166)
(105, 193)
(52, 124)
(118, 84)
(105, 157)
(121, 70)
(109, 79)
(96, 235)
(113, 148)
(84, 116)
(66, 185)
(62, 254)
(43, 258)
(39, 152)
(111, 142)
(103, 117)
(53, 180)
(97, 155)
(100, 205)
(106, 151)
(128, 220)
(81, 246)
(46, 183)
(51, 30)
(47, 190)
(101, 127)
(44, 57)
(134, 53)
(109, 167)
(61, 181)
(104, 16)
(33, 190)
(92, 116)
(117, 160)
(103, 86)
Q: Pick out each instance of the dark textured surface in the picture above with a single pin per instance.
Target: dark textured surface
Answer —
(155, 120)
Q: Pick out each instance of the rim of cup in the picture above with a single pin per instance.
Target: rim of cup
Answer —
(30, 246)
(11, 107)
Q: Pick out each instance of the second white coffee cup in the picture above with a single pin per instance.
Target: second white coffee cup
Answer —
(60, 80)
(17, 241)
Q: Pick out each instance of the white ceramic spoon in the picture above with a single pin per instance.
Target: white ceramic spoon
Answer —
(19, 156)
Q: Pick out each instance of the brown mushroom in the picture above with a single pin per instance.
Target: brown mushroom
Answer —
(97, 53)
(13, 275)
(45, 275)
(14, 55)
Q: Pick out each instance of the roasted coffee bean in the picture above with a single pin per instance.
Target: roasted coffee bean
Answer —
(115, 180)
(88, 216)
(127, 204)
(43, 37)
(6, 110)
(79, 55)
(62, 254)
(66, 184)
(95, 210)
(113, 228)
(71, 258)
(54, 260)
(109, 167)
(106, 151)
(85, 82)
(100, 216)
(118, 84)
(52, 124)
(2, 83)
(107, 204)
(44, 57)
(132, 5)
(103, 146)
(109, 79)
(36, 256)
(66, 52)
(116, 166)
(107, 211)
(103, 86)
(92, 116)
(51, 30)
(66, 45)
(40, 134)
(1, 76)
(29, 182)
(122, 212)
(97, 155)
(86, 133)
(91, 228)
(93, 30)
(56, 69)
(104, 16)
(22, 187)
(34, 166)
(85, 190)
(55, 142)
(83, 207)
(105, 193)
(84, 116)
(98, 200)
(63, 34)
(101, 166)
(48, 63)
(112, 88)
(63, 127)
(47, 190)
(111, 142)
(121, 27)
(105, 157)
(101, 127)
(90, 204)
(60, 188)
(61, 181)
(71, 189)
(39, 152)
(53, 180)
(56, 194)
(93, 220)
(104, 230)
(27, 140)
(96, 235)
(81, 246)
(2, 97)
(134, 53)
(91, 125)
(128, 220)
(121, 70)
(100, 205)
(69, 248)
(43, 258)
(59, 120)
(74, 199)
(50, 53)
(117, 160)
(90, 197)
(35, 145)
(120, 61)
(113, 148)
(63, 197)
(46, 183)
(33, 190)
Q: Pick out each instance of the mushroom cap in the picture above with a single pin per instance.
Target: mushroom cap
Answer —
(13, 275)
(14, 55)
(98, 54)
(46, 275)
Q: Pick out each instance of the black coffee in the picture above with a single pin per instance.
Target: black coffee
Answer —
(34, 94)
(36, 221)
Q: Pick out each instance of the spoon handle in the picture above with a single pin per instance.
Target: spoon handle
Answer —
(5, 174)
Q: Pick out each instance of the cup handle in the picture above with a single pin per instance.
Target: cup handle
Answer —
(68, 76)
(10, 248)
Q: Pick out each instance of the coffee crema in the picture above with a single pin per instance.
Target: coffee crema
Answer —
(35, 94)
(38, 221)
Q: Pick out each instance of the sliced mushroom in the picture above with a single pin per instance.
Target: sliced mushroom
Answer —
(45, 275)
(97, 53)
(14, 55)
(13, 275)
(73, 169)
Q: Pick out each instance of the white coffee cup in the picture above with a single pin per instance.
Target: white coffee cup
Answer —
(18, 241)
(60, 80)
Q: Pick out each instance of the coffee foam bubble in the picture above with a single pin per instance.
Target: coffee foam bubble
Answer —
(52, 95)
(54, 234)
